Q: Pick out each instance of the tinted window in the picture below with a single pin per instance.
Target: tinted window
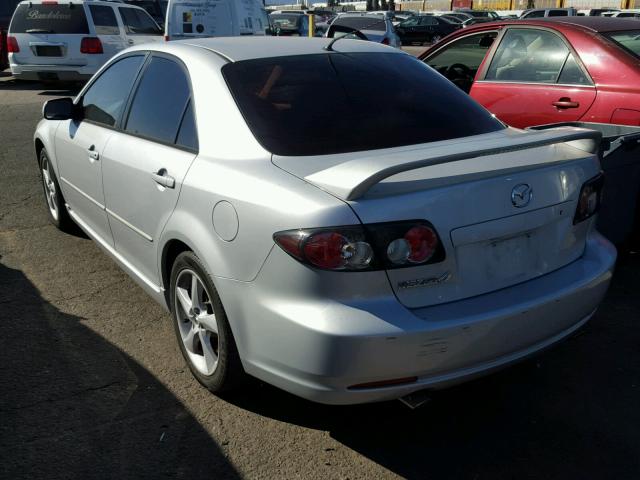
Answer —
(528, 55)
(138, 22)
(469, 51)
(572, 74)
(534, 14)
(558, 13)
(160, 101)
(7, 7)
(104, 18)
(105, 99)
(362, 23)
(370, 101)
(63, 18)
(428, 21)
(188, 136)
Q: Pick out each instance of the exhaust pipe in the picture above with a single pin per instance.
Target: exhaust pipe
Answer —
(416, 399)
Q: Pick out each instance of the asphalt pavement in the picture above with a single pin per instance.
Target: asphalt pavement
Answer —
(92, 384)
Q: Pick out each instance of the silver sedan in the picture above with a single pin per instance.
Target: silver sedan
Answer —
(304, 227)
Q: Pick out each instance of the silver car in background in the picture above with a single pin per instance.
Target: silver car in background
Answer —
(374, 27)
(355, 253)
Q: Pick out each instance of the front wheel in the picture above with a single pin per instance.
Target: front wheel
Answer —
(201, 326)
(58, 214)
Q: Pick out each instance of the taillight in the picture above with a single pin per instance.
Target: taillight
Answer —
(385, 41)
(366, 247)
(589, 199)
(91, 45)
(12, 45)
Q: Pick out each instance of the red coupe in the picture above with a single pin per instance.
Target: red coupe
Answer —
(562, 69)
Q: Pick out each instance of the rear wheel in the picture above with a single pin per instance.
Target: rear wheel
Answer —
(201, 326)
(53, 195)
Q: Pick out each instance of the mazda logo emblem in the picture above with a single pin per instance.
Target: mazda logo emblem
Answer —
(521, 195)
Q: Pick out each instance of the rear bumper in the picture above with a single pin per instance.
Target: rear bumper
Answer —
(319, 349)
(63, 73)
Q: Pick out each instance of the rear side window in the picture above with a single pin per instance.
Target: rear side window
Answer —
(49, 18)
(138, 22)
(105, 99)
(370, 101)
(558, 13)
(104, 19)
(188, 136)
(160, 102)
(362, 23)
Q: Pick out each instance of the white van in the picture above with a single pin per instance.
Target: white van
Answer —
(69, 40)
(215, 18)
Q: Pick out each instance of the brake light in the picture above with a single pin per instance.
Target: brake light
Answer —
(91, 45)
(12, 45)
(590, 199)
(366, 247)
(385, 41)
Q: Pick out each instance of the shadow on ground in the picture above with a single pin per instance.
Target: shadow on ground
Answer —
(75, 406)
(572, 412)
(44, 89)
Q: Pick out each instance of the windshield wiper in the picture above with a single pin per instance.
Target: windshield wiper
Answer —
(38, 30)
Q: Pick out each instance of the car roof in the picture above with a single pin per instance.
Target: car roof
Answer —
(595, 24)
(236, 49)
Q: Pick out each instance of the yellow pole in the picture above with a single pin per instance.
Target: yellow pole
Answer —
(312, 25)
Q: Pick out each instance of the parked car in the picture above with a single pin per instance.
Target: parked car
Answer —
(549, 12)
(481, 16)
(633, 14)
(156, 8)
(372, 27)
(598, 12)
(423, 29)
(189, 19)
(379, 246)
(7, 7)
(71, 40)
(547, 71)
(286, 24)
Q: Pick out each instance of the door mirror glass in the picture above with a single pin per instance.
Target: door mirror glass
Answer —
(59, 109)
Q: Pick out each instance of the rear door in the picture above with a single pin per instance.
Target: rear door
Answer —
(80, 144)
(50, 33)
(144, 165)
(533, 78)
(107, 29)
(138, 26)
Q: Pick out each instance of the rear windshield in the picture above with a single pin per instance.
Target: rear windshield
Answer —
(49, 18)
(629, 40)
(362, 23)
(370, 101)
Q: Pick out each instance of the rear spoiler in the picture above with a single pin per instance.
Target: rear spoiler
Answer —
(352, 179)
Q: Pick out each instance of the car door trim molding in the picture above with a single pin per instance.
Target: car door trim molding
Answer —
(547, 84)
(127, 224)
(112, 251)
(85, 195)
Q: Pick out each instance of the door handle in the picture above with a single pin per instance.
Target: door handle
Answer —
(161, 178)
(93, 153)
(565, 103)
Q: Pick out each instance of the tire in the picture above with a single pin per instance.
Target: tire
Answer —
(212, 356)
(435, 39)
(54, 200)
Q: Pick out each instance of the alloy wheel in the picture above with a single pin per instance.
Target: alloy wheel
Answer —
(49, 189)
(196, 321)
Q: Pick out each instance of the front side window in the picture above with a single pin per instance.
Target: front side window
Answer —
(558, 13)
(138, 22)
(534, 14)
(104, 19)
(106, 98)
(468, 51)
(529, 56)
(428, 20)
(49, 18)
(160, 101)
(276, 95)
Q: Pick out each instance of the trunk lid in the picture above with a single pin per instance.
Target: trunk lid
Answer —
(491, 241)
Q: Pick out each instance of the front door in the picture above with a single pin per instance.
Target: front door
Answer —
(145, 165)
(81, 143)
(534, 78)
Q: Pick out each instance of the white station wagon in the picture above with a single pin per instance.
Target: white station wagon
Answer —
(69, 40)
(362, 251)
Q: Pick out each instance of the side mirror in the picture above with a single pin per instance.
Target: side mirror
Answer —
(59, 109)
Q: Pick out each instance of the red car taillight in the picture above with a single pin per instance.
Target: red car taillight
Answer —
(385, 41)
(589, 199)
(366, 247)
(12, 45)
(91, 45)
